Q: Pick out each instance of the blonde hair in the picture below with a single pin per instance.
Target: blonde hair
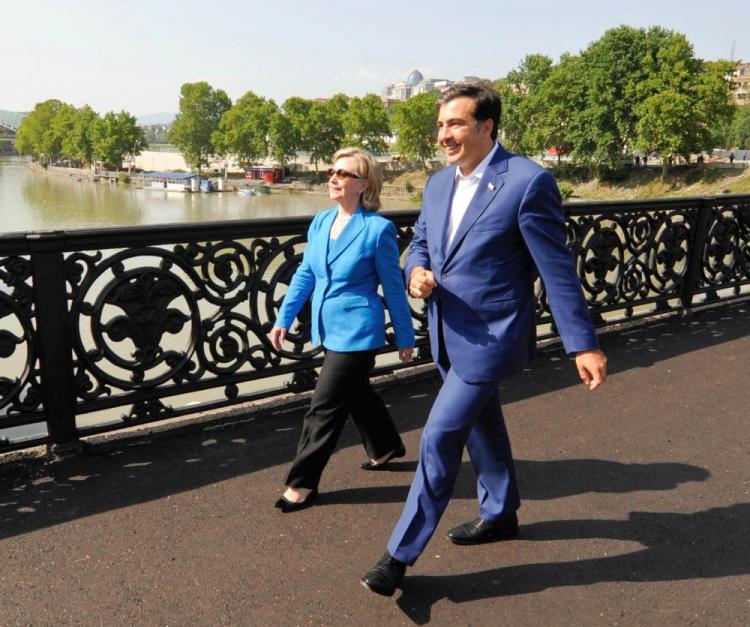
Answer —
(368, 168)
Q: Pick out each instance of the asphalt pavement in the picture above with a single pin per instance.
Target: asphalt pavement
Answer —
(636, 509)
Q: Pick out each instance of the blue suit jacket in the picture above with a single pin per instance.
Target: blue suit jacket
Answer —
(485, 277)
(343, 277)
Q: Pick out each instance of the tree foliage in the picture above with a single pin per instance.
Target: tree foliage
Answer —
(366, 124)
(323, 132)
(79, 143)
(283, 138)
(243, 129)
(116, 135)
(739, 132)
(633, 88)
(415, 121)
(517, 92)
(201, 109)
(37, 135)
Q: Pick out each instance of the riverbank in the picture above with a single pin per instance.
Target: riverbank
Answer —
(405, 185)
(630, 184)
(233, 183)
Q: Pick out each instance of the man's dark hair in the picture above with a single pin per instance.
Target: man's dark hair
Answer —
(487, 104)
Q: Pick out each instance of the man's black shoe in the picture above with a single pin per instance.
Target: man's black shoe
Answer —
(385, 576)
(480, 531)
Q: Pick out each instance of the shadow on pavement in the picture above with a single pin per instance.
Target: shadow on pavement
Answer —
(35, 494)
(89, 485)
(544, 480)
(707, 544)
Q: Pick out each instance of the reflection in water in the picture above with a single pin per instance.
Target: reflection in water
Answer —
(32, 200)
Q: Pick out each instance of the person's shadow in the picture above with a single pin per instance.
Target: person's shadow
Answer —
(708, 544)
(542, 480)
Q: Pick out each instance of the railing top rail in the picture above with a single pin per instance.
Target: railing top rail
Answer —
(138, 235)
(679, 202)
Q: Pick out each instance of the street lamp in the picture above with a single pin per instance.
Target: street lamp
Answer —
(131, 161)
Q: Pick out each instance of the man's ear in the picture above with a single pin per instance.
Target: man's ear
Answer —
(487, 127)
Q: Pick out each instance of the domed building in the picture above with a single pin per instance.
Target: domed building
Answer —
(414, 84)
(415, 77)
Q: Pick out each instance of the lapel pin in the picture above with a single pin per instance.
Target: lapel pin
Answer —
(490, 187)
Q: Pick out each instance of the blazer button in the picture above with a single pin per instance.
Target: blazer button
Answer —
(444, 275)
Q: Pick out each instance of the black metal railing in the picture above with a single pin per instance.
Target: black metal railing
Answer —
(101, 329)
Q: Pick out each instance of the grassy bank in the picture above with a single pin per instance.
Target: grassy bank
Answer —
(631, 184)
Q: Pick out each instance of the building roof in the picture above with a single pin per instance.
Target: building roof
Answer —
(11, 119)
(180, 176)
(415, 77)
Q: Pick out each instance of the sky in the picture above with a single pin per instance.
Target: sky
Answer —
(135, 55)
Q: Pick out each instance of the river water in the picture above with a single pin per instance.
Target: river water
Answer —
(31, 200)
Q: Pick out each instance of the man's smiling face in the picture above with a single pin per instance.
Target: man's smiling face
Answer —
(465, 140)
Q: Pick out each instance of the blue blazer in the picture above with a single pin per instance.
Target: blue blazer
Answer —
(513, 224)
(343, 277)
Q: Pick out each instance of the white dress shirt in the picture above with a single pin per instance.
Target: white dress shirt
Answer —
(464, 189)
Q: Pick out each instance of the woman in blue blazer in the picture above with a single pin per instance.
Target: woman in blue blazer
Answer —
(350, 251)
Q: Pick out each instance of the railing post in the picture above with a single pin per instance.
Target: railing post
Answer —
(696, 254)
(55, 341)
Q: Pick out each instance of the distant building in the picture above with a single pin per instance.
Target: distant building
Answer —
(741, 84)
(415, 84)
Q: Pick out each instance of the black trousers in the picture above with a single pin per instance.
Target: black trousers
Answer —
(343, 388)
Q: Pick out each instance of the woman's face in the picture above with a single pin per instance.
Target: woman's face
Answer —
(344, 189)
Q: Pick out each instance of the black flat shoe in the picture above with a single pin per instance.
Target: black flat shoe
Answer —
(286, 506)
(385, 577)
(480, 531)
(394, 454)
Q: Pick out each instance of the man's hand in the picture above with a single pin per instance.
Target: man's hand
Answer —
(421, 282)
(277, 336)
(592, 367)
(405, 354)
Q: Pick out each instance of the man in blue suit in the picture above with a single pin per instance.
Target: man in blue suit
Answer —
(488, 221)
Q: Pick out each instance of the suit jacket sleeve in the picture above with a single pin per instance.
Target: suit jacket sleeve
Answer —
(300, 287)
(389, 275)
(542, 225)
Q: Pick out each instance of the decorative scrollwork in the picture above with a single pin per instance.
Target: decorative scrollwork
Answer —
(277, 263)
(726, 254)
(136, 308)
(18, 386)
(147, 410)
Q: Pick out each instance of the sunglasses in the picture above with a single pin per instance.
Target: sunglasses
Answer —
(343, 174)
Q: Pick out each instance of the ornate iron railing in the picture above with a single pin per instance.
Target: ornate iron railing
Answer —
(168, 320)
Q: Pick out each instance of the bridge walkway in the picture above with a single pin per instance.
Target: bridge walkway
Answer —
(636, 509)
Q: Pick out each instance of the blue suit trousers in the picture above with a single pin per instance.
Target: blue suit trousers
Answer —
(463, 414)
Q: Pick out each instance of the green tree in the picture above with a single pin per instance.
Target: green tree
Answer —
(339, 105)
(553, 107)
(283, 138)
(79, 143)
(517, 91)
(243, 129)
(324, 133)
(740, 130)
(414, 122)
(201, 109)
(366, 124)
(36, 136)
(297, 111)
(684, 99)
(614, 70)
(62, 129)
(116, 135)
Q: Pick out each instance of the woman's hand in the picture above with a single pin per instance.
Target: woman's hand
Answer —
(405, 354)
(277, 336)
